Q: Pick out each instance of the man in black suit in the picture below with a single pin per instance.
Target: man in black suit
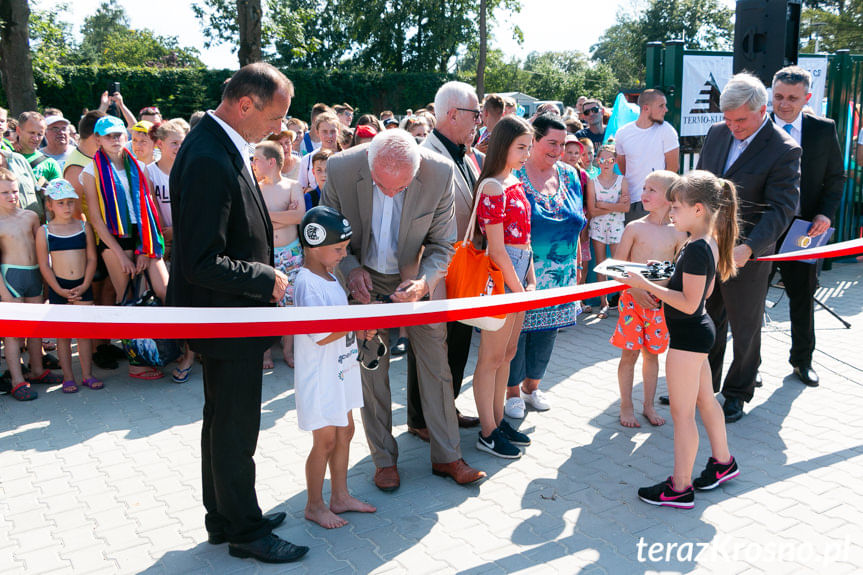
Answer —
(822, 178)
(764, 164)
(223, 257)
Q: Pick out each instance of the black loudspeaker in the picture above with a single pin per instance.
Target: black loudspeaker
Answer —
(766, 36)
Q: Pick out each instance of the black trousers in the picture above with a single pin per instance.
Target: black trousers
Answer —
(739, 303)
(232, 420)
(458, 336)
(800, 281)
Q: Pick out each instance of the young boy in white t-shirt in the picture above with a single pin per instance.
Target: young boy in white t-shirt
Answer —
(327, 382)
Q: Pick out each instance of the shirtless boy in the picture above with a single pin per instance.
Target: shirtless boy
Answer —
(285, 203)
(22, 282)
(641, 328)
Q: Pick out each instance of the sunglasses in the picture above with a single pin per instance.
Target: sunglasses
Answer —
(370, 355)
(476, 113)
(606, 160)
(593, 110)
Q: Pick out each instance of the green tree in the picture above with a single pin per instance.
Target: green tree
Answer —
(110, 18)
(50, 46)
(702, 24)
(108, 39)
(832, 26)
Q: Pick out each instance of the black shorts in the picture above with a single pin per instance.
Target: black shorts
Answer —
(127, 244)
(695, 334)
(57, 299)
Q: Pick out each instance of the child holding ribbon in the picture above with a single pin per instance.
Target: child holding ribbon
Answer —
(705, 207)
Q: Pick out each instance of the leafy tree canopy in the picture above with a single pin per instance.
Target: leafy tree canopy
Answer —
(702, 24)
(833, 25)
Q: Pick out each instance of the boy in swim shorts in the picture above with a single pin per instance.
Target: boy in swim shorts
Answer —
(641, 328)
(22, 283)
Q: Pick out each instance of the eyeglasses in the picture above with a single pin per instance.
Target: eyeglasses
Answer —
(366, 351)
(476, 113)
(589, 111)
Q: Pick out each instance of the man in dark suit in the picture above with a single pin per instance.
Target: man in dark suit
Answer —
(764, 164)
(822, 178)
(223, 257)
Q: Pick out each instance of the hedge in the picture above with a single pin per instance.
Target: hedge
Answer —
(178, 92)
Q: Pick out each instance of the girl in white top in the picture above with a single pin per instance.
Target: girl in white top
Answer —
(169, 137)
(327, 383)
(607, 204)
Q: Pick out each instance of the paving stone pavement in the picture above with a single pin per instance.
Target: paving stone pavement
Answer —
(108, 481)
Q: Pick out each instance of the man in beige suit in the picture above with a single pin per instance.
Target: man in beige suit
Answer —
(457, 114)
(399, 201)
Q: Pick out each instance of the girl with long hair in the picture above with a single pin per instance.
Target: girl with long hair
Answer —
(503, 215)
(705, 207)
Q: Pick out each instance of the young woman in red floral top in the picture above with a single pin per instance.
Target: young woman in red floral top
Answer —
(503, 214)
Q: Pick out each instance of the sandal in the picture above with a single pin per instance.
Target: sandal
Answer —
(23, 392)
(603, 312)
(150, 374)
(586, 309)
(180, 375)
(93, 383)
(47, 378)
(48, 345)
(69, 386)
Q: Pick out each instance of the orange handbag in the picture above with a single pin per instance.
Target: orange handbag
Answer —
(472, 273)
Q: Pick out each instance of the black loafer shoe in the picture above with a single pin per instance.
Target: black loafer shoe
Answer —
(733, 409)
(105, 361)
(663, 400)
(758, 381)
(806, 374)
(274, 519)
(268, 549)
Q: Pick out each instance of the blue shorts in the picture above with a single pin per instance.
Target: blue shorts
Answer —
(520, 262)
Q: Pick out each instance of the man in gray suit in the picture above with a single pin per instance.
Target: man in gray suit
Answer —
(457, 114)
(399, 201)
(764, 164)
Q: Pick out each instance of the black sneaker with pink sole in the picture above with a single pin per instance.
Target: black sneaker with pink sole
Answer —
(665, 495)
(715, 474)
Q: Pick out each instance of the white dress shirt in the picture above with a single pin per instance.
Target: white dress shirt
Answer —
(245, 148)
(382, 255)
(737, 146)
(796, 127)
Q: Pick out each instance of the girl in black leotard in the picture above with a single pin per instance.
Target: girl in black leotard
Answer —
(705, 207)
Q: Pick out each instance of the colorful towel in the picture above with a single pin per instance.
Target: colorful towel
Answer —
(114, 208)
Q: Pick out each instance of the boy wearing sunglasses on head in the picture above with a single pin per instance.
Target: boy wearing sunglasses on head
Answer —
(326, 375)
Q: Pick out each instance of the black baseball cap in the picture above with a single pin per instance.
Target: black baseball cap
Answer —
(323, 226)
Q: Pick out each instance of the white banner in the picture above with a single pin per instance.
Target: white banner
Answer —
(704, 77)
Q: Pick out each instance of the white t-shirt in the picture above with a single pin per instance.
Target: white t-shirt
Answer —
(161, 192)
(90, 170)
(327, 381)
(645, 152)
(306, 175)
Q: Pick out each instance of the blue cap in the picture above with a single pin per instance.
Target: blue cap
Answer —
(109, 125)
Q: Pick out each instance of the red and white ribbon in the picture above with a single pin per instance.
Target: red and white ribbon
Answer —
(837, 250)
(103, 322)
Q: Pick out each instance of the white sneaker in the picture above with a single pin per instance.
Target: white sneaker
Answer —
(514, 408)
(537, 400)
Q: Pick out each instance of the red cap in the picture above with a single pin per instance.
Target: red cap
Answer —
(366, 131)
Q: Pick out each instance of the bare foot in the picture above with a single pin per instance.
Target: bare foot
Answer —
(268, 360)
(289, 359)
(653, 417)
(627, 417)
(349, 503)
(322, 515)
